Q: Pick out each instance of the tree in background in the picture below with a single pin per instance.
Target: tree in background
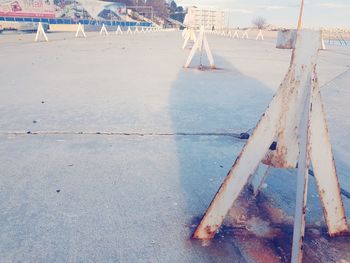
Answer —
(177, 12)
(160, 7)
(259, 22)
(180, 9)
(173, 7)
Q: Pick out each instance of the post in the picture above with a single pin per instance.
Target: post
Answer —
(300, 15)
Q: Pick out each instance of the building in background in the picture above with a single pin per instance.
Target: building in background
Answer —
(27, 8)
(74, 9)
(209, 18)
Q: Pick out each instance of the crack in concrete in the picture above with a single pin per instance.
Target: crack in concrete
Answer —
(344, 192)
(235, 135)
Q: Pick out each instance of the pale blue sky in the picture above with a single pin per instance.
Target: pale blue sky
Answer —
(282, 12)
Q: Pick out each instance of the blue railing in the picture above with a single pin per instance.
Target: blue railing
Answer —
(62, 21)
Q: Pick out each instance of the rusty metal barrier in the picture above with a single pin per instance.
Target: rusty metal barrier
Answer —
(290, 134)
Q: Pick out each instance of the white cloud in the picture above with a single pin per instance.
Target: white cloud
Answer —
(240, 10)
(280, 12)
(277, 7)
(231, 5)
(334, 5)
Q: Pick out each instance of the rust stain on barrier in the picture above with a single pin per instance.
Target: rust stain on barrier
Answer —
(340, 229)
(263, 234)
(295, 120)
(325, 173)
(277, 158)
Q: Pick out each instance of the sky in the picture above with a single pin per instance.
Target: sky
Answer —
(317, 13)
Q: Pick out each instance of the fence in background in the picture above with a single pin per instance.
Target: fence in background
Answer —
(62, 21)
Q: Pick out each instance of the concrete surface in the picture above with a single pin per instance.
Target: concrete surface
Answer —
(136, 192)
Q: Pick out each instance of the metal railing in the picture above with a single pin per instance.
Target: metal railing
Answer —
(59, 21)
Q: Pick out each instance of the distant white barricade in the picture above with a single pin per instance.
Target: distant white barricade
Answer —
(245, 35)
(40, 32)
(201, 43)
(323, 46)
(104, 30)
(260, 35)
(119, 31)
(80, 29)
